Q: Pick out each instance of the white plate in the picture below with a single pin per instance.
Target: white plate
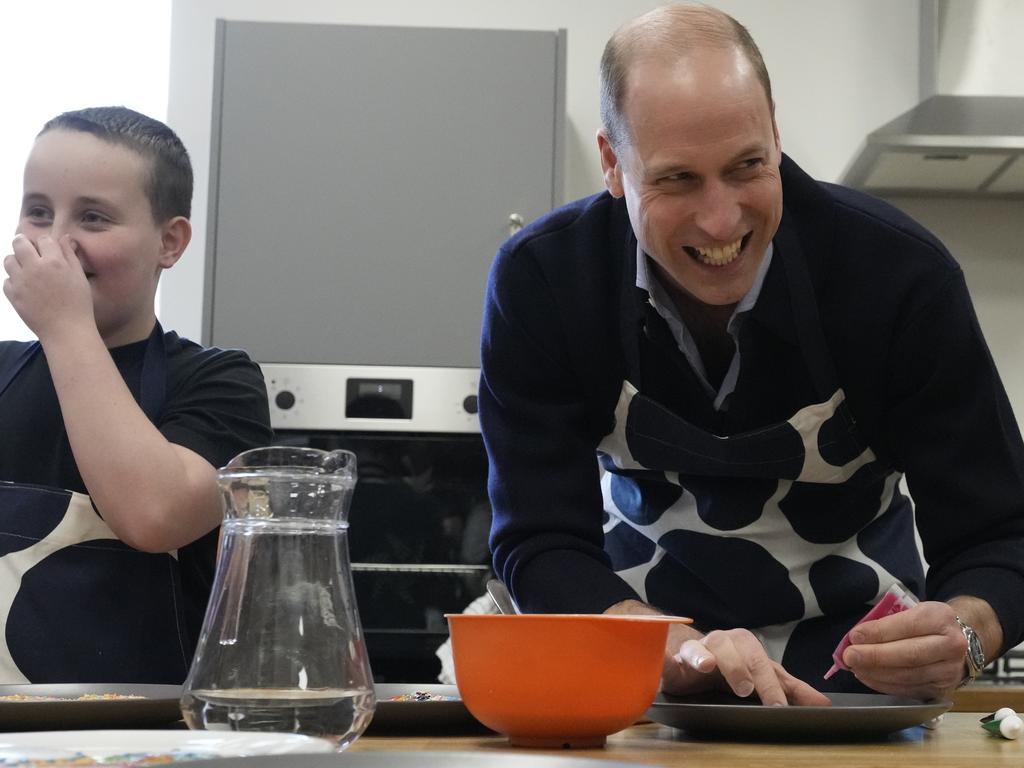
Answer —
(133, 746)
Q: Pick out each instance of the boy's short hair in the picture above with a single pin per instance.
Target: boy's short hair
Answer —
(169, 186)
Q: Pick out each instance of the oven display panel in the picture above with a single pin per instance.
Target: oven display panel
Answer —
(378, 399)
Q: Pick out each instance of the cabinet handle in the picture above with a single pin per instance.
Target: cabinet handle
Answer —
(515, 223)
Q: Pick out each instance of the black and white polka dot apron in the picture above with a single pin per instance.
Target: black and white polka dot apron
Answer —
(790, 530)
(77, 604)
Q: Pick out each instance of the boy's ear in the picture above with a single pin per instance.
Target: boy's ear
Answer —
(175, 235)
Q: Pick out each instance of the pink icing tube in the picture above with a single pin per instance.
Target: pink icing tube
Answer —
(897, 598)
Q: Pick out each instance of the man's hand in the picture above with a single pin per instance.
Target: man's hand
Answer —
(920, 652)
(47, 286)
(736, 660)
(730, 659)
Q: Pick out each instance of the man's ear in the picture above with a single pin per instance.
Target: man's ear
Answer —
(175, 236)
(610, 165)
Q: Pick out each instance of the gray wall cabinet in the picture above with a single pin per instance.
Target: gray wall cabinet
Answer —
(362, 179)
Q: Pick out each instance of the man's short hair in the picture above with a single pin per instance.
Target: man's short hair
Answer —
(675, 30)
(169, 184)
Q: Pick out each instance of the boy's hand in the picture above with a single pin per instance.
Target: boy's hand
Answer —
(47, 286)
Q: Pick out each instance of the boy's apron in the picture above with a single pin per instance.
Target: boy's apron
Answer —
(791, 530)
(77, 604)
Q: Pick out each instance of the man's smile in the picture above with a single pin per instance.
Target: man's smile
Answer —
(718, 256)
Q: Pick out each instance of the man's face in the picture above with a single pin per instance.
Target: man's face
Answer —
(93, 191)
(701, 174)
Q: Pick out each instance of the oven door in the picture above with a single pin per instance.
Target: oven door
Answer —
(418, 527)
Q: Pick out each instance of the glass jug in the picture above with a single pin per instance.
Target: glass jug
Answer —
(281, 647)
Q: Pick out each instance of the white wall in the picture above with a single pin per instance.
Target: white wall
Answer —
(93, 54)
(979, 53)
(987, 238)
(839, 70)
(979, 48)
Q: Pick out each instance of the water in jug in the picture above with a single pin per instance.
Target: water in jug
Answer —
(281, 647)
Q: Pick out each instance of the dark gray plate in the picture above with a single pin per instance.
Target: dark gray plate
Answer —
(450, 717)
(852, 716)
(160, 706)
(410, 760)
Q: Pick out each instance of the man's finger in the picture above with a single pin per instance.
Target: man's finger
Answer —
(800, 693)
(930, 618)
(696, 655)
(912, 652)
(767, 684)
(732, 663)
(934, 681)
(940, 673)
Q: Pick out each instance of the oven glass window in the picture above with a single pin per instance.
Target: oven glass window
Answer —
(418, 527)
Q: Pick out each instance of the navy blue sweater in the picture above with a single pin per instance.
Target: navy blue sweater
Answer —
(905, 344)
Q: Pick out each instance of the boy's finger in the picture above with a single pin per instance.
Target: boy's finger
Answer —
(11, 264)
(24, 250)
(69, 248)
(48, 248)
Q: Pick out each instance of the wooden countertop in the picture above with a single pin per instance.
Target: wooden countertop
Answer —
(958, 741)
(988, 697)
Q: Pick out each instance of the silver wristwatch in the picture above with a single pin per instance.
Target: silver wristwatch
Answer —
(974, 658)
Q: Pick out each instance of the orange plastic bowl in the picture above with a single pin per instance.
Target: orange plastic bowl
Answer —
(558, 680)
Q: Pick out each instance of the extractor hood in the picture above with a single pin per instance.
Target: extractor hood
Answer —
(951, 145)
(946, 145)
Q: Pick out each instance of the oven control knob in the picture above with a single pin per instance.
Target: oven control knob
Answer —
(470, 404)
(284, 399)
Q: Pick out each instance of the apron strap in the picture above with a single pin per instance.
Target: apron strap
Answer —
(631, 310)
(11, 373)
(153, 385)
(805, 313)
(789, 254)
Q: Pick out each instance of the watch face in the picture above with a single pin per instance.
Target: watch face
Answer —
(977, 655)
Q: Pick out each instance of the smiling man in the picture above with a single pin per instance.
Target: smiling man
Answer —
(699, 170)
(701, 388)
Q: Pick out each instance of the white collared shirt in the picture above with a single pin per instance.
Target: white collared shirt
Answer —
(648, 280)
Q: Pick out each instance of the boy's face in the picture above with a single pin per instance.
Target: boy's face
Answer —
(93, 191)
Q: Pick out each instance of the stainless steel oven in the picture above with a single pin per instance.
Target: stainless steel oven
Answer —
(351, 231)
(419, 518)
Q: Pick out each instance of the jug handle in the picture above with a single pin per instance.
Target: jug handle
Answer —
(235, 582)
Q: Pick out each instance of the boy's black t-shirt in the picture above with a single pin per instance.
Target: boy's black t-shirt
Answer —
(215, 405)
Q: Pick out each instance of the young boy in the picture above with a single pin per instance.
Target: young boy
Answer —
(110, 428)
